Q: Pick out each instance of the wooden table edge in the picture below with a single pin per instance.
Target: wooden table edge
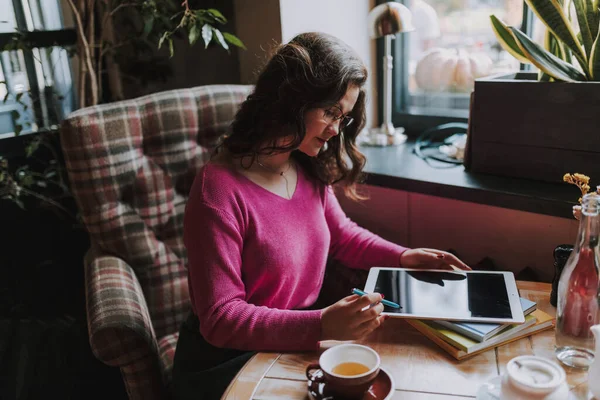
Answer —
(260, 363)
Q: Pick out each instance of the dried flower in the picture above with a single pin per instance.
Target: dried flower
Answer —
(580, 180)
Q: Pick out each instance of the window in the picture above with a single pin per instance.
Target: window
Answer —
(34, 65)
(463, 28)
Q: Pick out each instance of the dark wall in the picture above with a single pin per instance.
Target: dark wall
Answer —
(44, 348)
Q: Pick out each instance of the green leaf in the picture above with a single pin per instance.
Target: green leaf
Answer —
(551, 14)
(18, 129)
(6, 97)
(207, 34)
(171, 49)
(203, 16)
(162, 39)
(507, 40)
(584, 28)
(19, 96)
(234, 40)
(546, 61)
(148, 25)
(595, 60)
(554, 46)
(221, 39)
(544, 77)
(217, 15)
(593, 18)
(568, 55)
(194, 34)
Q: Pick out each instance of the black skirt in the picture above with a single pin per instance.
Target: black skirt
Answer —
(202, 371)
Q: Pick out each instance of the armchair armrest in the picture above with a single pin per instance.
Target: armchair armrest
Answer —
(119, 323)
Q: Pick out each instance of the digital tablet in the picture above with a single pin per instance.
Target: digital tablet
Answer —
(475, 296)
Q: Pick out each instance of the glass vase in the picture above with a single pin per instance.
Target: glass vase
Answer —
(577, 309)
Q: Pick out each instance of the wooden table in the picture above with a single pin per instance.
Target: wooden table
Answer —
(420, 369)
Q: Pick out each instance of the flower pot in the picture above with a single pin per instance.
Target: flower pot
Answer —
(520, 127)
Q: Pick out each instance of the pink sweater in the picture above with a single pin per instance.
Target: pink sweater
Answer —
(256, 259)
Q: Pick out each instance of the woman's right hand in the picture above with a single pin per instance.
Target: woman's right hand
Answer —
(346, 320)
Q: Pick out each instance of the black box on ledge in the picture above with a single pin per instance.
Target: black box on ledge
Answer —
(520, 127)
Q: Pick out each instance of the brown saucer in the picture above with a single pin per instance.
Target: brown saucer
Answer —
(382, 388)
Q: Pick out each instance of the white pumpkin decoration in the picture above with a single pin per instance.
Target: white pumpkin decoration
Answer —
(442, 69)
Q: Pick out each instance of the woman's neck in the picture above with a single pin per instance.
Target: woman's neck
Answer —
(276, 162)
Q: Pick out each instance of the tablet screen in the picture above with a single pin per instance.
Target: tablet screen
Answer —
(453, 294)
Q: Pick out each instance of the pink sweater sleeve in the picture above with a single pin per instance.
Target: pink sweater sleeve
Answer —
(356, 247)
(214, 243)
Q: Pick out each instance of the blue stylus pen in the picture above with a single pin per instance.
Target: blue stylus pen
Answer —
(384, 301)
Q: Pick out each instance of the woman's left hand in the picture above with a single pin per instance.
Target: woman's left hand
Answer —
(431, 259)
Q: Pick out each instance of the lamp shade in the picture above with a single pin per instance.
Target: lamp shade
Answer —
(388, 19)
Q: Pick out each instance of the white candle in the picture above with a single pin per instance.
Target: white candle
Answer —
(531, 377)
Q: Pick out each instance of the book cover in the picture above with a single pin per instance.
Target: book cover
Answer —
(542, 322)
(483, 331)
(465, 343)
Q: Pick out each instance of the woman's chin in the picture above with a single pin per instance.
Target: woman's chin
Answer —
(311, 151)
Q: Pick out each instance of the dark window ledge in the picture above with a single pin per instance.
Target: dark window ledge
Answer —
(399, 168)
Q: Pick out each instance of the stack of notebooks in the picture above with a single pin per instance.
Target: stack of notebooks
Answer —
(466, 339)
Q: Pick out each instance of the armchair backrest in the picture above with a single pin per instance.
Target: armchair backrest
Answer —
(131, 165)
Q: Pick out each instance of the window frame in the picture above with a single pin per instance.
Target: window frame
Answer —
(414, 124)
(33, 39)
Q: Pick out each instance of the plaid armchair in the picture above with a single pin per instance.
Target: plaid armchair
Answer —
(131, 165)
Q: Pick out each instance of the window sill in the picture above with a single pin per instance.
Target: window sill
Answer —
(399, 168)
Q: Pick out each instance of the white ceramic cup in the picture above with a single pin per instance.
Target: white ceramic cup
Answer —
(349, 386)
(531, 377)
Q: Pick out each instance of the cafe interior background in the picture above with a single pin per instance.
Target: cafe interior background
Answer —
(489, 220)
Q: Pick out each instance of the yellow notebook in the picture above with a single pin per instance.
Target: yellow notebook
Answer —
(467, 344)
(460, 347)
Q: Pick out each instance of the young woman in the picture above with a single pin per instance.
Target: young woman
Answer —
(262, 220)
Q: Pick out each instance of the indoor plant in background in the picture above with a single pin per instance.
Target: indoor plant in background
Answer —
(538, 125)
(44, 348)
(110, 32)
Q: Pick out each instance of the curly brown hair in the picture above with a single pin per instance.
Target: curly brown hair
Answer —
(313, 70)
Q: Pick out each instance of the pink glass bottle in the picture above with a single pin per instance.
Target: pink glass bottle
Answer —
(577, 309)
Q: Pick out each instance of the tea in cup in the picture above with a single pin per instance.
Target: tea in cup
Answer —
(348, 370)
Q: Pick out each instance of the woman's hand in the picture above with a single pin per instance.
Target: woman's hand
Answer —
(431, 259)
(345, 319)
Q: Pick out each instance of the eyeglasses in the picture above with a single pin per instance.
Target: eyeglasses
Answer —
(335, 114)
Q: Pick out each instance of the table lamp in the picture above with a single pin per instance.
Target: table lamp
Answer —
(387, 20)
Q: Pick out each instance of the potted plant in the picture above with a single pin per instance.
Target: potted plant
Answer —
(536, 125)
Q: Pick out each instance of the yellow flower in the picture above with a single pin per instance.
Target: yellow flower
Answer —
(567, 178)
(585, 188)
(580, 180)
